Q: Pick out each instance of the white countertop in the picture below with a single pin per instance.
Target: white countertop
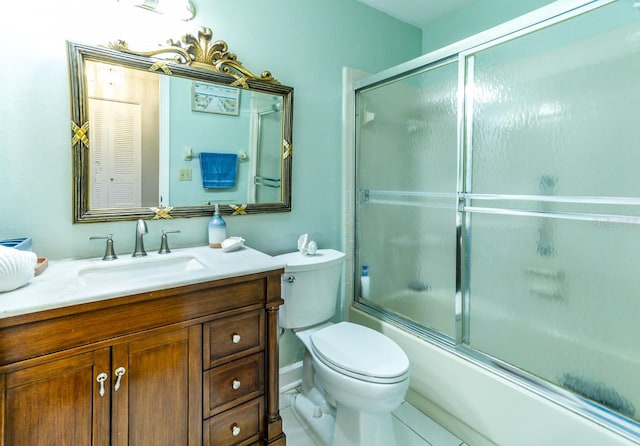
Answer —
(61, 284)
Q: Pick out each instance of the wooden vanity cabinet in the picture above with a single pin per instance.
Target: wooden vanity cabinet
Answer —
(184, 366)
(151, 405)
(55, 402)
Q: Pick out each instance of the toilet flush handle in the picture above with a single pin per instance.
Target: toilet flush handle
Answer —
(291, 279)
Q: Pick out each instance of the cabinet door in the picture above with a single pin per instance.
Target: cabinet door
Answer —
(158, 401)
(57, 402)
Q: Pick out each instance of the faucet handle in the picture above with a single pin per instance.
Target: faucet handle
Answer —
(109, 253)
(164, 244)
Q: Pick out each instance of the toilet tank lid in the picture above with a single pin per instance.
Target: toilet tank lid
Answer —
(323, 258)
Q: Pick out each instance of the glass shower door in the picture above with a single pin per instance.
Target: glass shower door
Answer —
(552, 208)
(406, 195)
(498, 206)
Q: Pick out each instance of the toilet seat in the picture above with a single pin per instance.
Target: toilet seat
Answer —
(361, 353)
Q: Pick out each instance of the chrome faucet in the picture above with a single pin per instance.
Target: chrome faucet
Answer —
(141, 229)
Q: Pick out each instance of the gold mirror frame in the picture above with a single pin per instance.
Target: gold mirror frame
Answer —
(193, 58)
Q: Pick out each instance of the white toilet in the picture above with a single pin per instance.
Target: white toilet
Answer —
(353, 376)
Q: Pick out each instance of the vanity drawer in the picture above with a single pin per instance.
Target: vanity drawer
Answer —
(233, 383)
(233, 337)
(239, 426)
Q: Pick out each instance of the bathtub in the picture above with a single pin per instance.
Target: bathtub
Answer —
(482, 407)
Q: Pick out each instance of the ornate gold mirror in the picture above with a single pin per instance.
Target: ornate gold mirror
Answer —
(171, 132)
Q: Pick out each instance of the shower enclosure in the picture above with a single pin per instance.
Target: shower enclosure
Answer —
(498, 204)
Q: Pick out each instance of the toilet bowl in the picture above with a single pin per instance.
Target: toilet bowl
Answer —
(353, 376)
(365, 376)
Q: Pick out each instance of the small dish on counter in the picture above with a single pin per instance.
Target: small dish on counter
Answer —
(41, 265)
(232, 244)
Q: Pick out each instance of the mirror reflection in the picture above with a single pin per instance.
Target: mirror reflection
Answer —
(181, 138)
(124, 133)
(133, 163)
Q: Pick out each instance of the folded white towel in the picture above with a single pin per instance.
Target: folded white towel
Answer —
(16, 268)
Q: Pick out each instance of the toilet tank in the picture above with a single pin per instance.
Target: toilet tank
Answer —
(309, 287)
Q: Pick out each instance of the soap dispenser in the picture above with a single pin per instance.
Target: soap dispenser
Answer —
(217, 229)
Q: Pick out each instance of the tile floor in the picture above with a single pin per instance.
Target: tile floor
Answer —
(412, 427)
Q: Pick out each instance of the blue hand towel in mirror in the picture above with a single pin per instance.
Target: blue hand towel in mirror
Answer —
(218, 170)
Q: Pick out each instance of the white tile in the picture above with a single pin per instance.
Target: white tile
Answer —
(412, 427)
(425, 427)
(296, 435)
(405, 436)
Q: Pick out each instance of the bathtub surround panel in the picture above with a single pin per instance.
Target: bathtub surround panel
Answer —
(543, 206)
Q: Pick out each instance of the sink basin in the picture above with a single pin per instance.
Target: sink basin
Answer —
(132, 270)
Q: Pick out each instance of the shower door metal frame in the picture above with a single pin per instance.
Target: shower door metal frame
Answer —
(464, 52)
(370, 307)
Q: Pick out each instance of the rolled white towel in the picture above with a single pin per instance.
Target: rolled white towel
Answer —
(16, 268)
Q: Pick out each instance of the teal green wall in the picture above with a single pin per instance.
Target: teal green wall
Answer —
(478, 16)
(305, 43)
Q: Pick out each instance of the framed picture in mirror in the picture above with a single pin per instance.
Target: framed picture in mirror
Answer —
(211, 98)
